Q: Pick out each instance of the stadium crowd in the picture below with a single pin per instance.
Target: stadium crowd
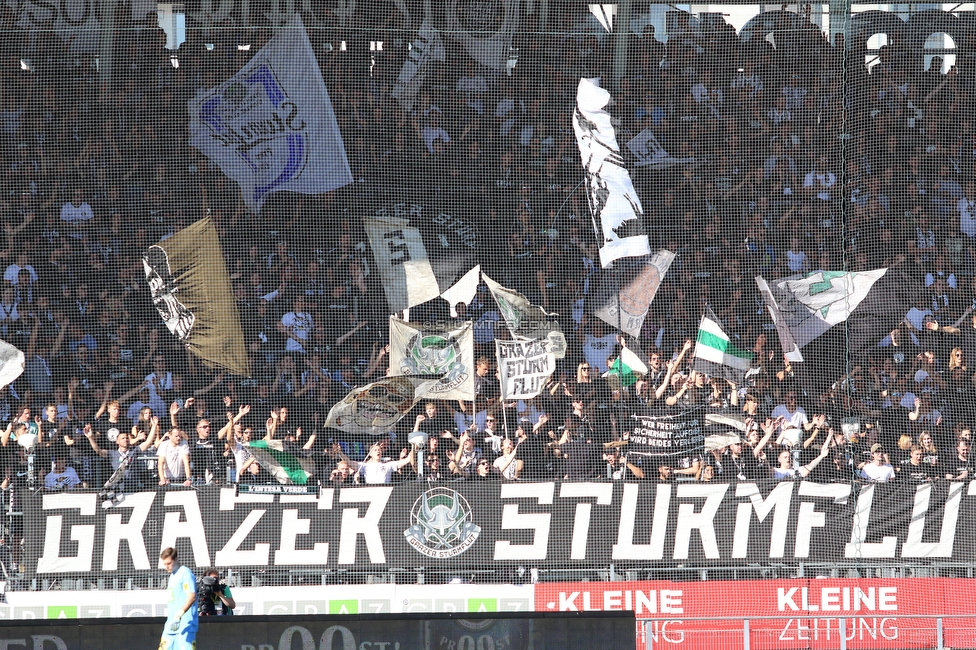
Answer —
(804, 159)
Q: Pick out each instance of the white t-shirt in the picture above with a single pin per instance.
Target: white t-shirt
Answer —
(596, 350)
(967, 216)
(508, 472)
(241, 455)
(878, 473)
(377, 473)
(301, 326)
(172, 459)
(71, 213)
(794, 420)
(65, 480)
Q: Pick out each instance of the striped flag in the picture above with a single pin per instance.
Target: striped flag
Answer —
(716, 355)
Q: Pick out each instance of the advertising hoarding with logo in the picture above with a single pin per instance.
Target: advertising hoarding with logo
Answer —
(876, 613)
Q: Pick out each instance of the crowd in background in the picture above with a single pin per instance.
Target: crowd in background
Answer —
(804, 159)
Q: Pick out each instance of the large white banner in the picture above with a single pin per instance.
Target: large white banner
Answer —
(271, 127)
(523, 367)
(402, 262)
(614, 205)
(431, 350)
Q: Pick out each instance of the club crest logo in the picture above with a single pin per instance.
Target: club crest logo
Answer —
(434, 355)
(179, 320)
(255, 115)
(442, 525)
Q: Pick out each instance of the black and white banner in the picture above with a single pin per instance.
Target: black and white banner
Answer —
(424, 51)
(79, 23)
(523, 367)
(655, 433)
(618, 217)
(458, 525)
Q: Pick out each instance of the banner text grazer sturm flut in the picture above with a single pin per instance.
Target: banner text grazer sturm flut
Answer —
(559, 524)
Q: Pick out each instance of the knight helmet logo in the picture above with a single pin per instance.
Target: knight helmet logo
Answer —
(434, 355)
(442, 524)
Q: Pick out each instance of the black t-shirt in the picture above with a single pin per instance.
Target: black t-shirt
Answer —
(204, 455)
(915, 473)
(954, 466)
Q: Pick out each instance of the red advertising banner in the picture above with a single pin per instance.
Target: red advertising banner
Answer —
(875, 613)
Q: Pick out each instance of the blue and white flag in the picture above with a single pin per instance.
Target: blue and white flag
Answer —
(271, 127)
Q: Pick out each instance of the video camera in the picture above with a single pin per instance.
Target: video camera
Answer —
(209, 590)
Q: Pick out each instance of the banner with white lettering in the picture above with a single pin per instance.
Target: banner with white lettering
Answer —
(667, 434)
(79, 23)
(523, 367)
(889, 613)
(499, 524)
(271, 127)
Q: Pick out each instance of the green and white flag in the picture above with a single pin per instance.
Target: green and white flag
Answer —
(445, 353)
(716, 355)
(285, 467)
(628, 367)
(804, 307)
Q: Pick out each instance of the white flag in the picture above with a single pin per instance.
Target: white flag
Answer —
(271, 127)
(525, 321)
(523, 367)
(377, 407)
(484, 28)
(424, 50)
(11, 364)
(420, 252)
(434, 352)
(616, 210)
(649, 152)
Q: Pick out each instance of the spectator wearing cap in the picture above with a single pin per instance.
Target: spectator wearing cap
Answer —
(878, 469)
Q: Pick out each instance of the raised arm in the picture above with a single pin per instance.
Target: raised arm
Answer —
(90, 434)
(105, 399)
(271, 425)
(507, 460)
(812, 465)
(768, 428)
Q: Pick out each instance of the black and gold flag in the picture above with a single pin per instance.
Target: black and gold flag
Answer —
(192, 291)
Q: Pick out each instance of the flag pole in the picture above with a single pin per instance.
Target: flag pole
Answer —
(501, 391)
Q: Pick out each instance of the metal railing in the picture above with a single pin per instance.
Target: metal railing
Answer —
(656, 636)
